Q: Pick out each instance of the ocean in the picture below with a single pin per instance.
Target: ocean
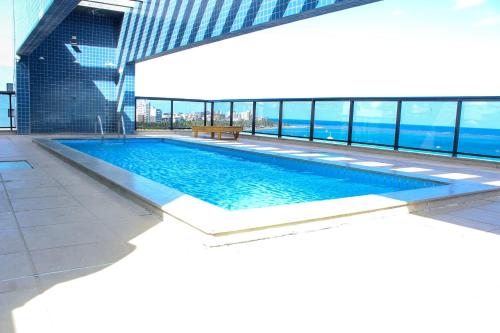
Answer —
(483, 141)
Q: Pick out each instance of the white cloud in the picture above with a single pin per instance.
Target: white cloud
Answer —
(462, 4)
(398, 12)
(490, 20)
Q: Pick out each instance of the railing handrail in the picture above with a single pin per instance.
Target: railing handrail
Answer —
(306, 99)
(210, 112)
(123, 127)
(99, 121)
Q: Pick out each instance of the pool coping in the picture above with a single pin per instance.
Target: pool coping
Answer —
(216, 221)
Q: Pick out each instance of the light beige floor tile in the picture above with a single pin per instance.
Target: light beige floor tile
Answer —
(17, 317)
(492, 207)
(466, 223)
(57, 235)
(11, 285)
(337, 159)
(61, 201)
(23, 193)
(54, 216)
(48, 280)
(4, 205)
(494, 198)
(411, 169)
(79, 256)
(11, 241)
(87, 189)
(76, 179)
(43, 182)
(456, 176)
(478, 215)
(372, 164)
(109, 205)
(31, 174)
(309, 155)
(495, 231)
(7, 221)
(131, 227)
(15, 265)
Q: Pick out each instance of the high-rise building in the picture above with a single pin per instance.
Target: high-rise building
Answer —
(57, 71)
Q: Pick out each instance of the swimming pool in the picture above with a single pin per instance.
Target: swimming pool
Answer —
(235, 180)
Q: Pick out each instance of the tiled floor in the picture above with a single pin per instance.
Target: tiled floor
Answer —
(77, 257)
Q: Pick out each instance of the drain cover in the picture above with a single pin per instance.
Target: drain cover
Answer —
(14, 165)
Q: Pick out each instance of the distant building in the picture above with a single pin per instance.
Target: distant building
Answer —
(242, 116)
(158, 115)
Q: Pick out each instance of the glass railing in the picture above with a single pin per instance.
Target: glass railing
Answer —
(153, 113)
(453, 126)
(7, 110)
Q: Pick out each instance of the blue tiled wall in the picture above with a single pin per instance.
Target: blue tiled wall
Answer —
(23, 96)
(128, 101)
(70, 86)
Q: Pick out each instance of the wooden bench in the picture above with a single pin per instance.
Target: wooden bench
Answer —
(218, 129)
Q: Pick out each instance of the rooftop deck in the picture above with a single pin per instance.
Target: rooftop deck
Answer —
(76, 256)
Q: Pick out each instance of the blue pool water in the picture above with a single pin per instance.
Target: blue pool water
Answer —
(236, 179)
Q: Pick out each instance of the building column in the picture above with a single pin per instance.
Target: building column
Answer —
(126, 98)
(23, 104)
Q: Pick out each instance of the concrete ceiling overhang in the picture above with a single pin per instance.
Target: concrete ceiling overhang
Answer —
(114, 5)
(55, 14)
(59, 10)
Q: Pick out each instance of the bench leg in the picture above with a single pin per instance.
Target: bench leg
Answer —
(195, 134)
(212, 134)
(219, 135)
(236, 134)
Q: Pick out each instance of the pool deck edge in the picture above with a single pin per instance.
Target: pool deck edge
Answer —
(215, 221)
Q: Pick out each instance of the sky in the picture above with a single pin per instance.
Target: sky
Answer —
(7, 43)
(388, 48)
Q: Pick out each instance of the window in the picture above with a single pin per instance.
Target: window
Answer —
(296, 119)
(374, 123)
(480, 128)
(267, 117)
(331, 120)
(428, 125)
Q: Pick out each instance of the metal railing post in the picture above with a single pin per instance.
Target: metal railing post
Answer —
(398, 126)
(231, 111)
(311, 124)
(171, 114)
(212, 114)
(204, 113)
(10, 111)
(456, 137)
(254, 111)
(280, 120)
(351, 118)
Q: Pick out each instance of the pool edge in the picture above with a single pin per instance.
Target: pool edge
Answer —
(224, 223)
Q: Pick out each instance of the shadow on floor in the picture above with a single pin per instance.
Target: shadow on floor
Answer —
(482, 215)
